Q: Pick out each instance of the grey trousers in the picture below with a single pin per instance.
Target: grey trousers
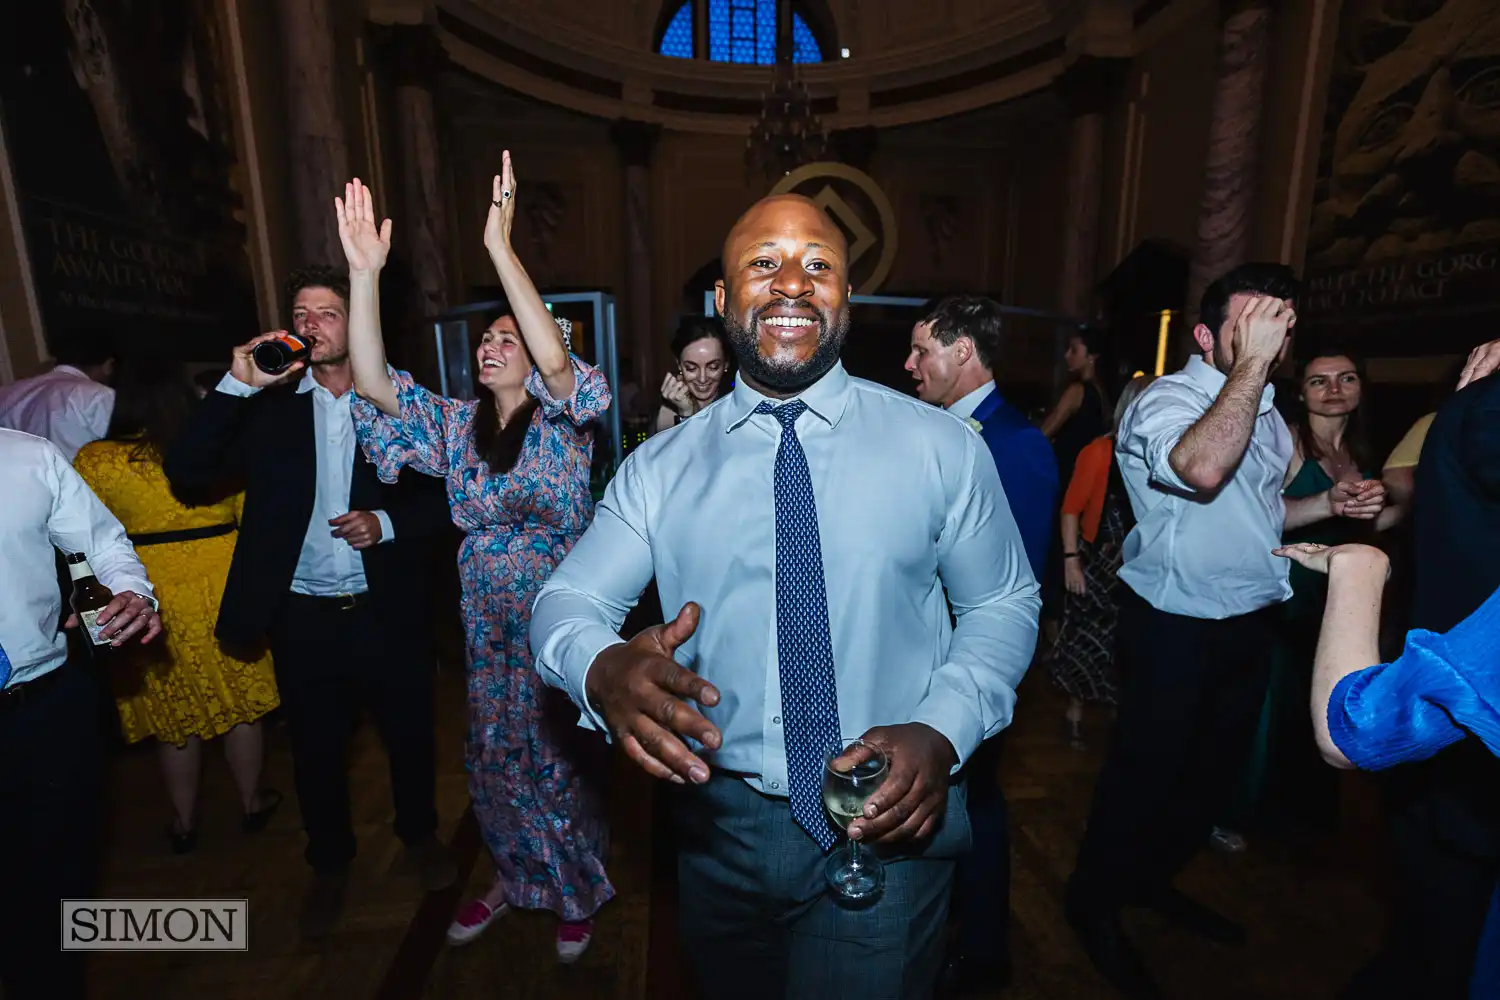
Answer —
(757, 919)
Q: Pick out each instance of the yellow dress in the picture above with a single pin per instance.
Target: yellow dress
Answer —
(183, 684)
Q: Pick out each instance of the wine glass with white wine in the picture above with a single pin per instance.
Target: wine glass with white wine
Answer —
(853, 871)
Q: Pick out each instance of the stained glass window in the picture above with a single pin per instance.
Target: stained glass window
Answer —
(804, 46)
(677, 40)
(740, 31)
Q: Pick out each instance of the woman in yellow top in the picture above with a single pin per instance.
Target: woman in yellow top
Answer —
(187, 689)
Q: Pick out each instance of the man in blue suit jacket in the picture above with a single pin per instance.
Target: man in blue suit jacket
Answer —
(953, 350)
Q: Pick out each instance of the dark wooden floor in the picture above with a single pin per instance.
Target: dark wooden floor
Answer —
(1310, 918)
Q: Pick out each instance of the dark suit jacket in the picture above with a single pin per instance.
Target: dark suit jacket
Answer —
(1028, 473)
(1457, 568)
(265, 444)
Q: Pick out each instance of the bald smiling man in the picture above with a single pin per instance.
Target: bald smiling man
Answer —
(808, 526)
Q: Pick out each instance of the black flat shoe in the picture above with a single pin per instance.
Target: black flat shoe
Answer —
(183, 841)
(256, 821)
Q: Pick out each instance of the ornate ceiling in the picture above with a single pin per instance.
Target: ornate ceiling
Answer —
(909, 62)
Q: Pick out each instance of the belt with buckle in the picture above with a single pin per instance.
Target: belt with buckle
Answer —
(337, 602)
(18, 694)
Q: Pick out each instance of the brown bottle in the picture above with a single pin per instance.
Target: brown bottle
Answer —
(275, 356)
(89, 596)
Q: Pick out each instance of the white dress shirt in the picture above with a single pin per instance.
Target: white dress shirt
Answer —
(327, 566)
(64, 406)
(908, 502)
(47, 504)
(1203, 555)
(969, 402)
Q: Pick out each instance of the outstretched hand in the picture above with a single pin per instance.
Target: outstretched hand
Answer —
(502, 215)
(1320, 558)
(365, 246)
(643, 694)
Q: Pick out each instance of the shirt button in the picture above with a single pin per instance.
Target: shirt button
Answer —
(775, 784)
(776, 719)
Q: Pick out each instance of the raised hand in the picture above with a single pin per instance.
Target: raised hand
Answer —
(675, 391)
(502, 215)
(242, 365)
(1362, 501)
(643, 695)
(365, 246)
(1261, 330)
(909, 804)
(1483, 361)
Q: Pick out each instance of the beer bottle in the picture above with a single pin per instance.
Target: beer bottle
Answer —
(89, 596)
(275, 356)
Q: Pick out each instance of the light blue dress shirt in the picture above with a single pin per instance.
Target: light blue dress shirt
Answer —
(909, 503)
(1202, 555)
(327, 566)
(44, 506)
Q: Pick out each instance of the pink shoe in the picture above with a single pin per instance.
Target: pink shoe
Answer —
(471, 920)
(573, 939)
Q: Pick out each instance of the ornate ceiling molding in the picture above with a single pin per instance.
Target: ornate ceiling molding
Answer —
(525, 48)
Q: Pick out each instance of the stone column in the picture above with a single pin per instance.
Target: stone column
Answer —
(647, 344)
(424, 222)
(1233, 148)
(1087, 86)
(319, 149)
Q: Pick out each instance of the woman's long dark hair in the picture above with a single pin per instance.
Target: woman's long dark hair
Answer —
(154, 400)
(1096, 342)
(690, 330)
(1356, 432)
(498, 446)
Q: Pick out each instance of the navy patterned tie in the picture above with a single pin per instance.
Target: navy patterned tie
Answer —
(809, 694)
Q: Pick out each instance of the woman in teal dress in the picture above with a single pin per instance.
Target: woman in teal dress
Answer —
(1286, 780)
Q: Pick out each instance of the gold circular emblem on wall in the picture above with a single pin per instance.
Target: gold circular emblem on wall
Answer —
(850, 198)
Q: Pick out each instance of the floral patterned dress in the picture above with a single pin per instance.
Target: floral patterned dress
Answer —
(536, 800)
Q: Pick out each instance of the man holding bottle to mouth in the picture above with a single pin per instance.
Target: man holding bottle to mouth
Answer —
(821, 618)
(329, 570)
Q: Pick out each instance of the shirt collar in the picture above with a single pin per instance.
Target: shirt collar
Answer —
(827, 398)
(1211, 381)
(310, 384)
(70, 370)
(966, 405)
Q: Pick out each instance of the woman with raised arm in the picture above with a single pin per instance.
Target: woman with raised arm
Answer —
(516, 462)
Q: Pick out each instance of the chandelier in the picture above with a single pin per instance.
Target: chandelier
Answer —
(787, 134)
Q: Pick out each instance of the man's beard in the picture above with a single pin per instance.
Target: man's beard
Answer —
(780, 374)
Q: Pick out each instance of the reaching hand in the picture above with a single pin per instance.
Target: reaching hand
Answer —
(1261, 330)
(497, 224)
(1483, 360)
(365, 247)
(675, 391)
(1320, 558)
(1362, 501)
(640, 691)
(909, 804)
(242, 366)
